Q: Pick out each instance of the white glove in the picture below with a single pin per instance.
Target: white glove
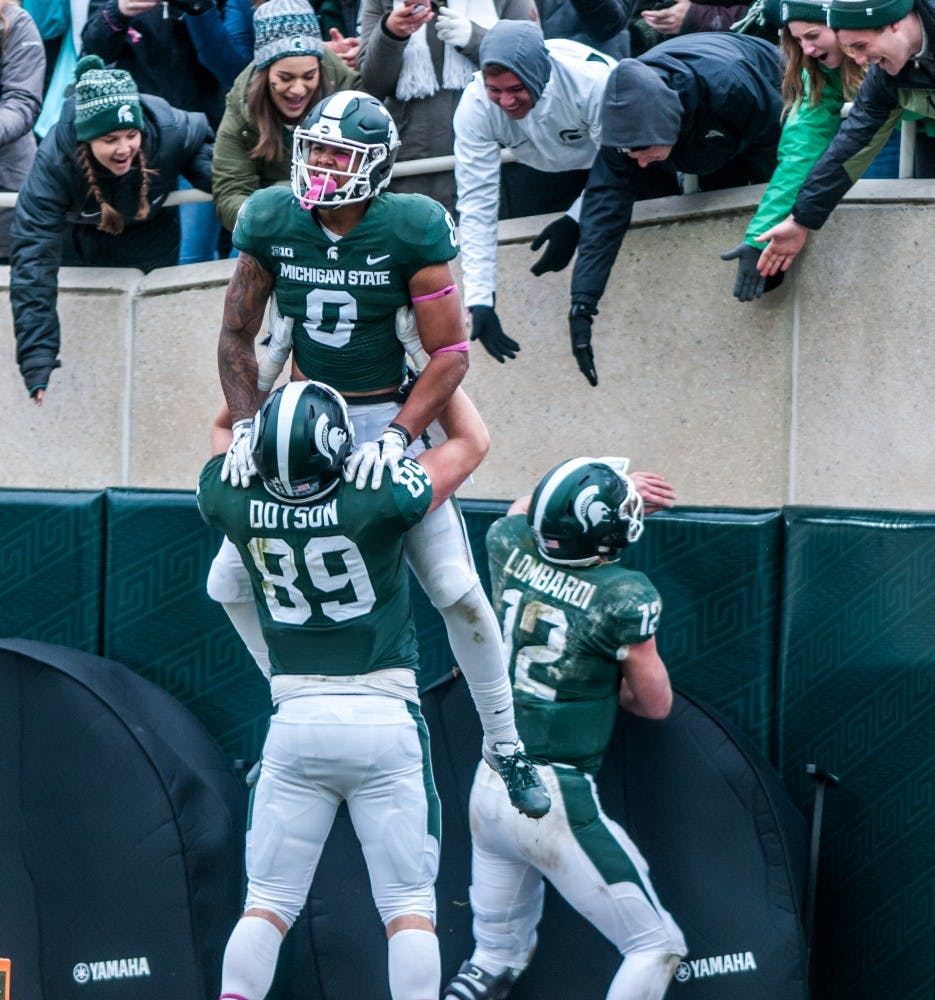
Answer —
(407, 333)
(238, 462)
(453, 29)
(370, 459)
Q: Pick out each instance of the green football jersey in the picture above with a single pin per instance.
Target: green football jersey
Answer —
(329, 577)
(343, 295)
(563, 627)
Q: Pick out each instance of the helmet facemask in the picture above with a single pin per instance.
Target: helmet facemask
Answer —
(357, 127)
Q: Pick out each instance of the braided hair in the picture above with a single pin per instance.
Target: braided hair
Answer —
(111, 220)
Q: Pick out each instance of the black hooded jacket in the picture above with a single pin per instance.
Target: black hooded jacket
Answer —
(720, 112)
(56, 198)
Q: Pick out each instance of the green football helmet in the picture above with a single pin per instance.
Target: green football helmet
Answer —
(351, 124)
(300, 438)
(584, 510)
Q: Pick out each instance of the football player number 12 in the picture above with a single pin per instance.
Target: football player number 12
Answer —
(276, 561)
(532, 655)
(538, 655)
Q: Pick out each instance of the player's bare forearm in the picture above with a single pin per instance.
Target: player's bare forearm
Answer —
(432, 391)
(244, 306)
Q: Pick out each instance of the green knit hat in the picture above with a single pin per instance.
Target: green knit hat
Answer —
(106, 100)
(283, 28)
(803, 10)
(857, 14)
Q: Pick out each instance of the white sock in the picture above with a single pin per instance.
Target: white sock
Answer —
(415, 965)
(644, 975)
(250, 959)
(475, 640)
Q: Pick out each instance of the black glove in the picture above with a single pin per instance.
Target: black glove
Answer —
(579, 324)
(36, 372)
(749, 284)
(562, 235)
(485, 327)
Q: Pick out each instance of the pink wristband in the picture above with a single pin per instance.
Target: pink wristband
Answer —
(462, 346)
(447, 290)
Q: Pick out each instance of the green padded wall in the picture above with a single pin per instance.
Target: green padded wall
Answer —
(160, 622)
(719, 574)
(857, 697)
(51, 566)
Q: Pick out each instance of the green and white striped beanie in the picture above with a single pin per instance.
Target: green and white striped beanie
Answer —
(284, 28)
(106, 100)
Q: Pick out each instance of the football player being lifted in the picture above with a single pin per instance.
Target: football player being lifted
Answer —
(336, 256)
(579, 630)
(331, 588)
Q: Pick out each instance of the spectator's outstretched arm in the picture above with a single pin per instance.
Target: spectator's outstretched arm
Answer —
(384, 34)
(607, 207)
(36, 236)
(105, 31)
(223, 41)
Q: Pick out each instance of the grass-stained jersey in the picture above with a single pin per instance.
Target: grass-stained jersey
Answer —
(564, 628)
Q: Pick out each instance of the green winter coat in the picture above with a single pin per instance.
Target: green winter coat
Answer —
(234, 174)
(807, 133)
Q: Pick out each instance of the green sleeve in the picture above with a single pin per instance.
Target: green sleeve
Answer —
(806, 135)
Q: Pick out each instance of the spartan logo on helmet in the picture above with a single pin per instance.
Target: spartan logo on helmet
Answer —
(362, 138)
(584, 510)
(300, 439)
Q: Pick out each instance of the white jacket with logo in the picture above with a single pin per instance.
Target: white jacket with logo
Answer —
(561, 132)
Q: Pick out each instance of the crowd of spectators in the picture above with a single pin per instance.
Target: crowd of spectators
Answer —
(228, 81)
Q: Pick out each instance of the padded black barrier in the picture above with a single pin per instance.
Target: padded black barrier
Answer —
(121, 833)
(858, 699)
(726, 848)
(51, 566)
(160, 621)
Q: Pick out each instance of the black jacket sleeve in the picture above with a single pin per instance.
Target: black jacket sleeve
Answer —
(606, 211)
(35, 256)
(105, 30)
(875, 114)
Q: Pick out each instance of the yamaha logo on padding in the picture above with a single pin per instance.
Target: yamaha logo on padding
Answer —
(715, 965)
(112, 968)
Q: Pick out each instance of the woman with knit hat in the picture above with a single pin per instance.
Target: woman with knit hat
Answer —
(290, 73)
(819, 77)
(96, 198)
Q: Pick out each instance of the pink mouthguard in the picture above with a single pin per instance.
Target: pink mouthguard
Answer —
(317, 187)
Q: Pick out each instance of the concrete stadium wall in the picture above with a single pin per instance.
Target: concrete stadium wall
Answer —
(822, 392)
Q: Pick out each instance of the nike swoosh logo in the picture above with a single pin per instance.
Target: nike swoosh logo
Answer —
(89, 215)
(377, 260)
(157, 199)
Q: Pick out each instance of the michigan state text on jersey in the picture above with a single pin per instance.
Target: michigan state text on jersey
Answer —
(342, 295)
